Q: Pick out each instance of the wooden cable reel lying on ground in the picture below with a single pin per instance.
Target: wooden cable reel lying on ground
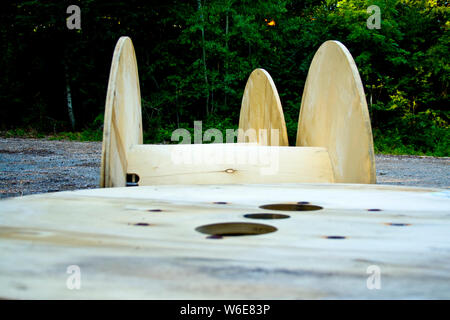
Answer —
(236, 241)
(334, 140)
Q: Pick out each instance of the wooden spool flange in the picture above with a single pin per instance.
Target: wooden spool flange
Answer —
(261, 110)
(334, 114)
(123, 122)
(280, 241)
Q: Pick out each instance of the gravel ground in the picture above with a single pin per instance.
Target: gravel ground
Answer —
(413, 171)
(30, 166)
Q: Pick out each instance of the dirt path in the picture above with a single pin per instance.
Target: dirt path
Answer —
(30, 166)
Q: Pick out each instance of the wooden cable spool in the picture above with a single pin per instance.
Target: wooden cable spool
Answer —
(217, 229)
(334, 140)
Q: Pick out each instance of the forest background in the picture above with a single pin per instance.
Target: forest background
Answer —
(194, 58)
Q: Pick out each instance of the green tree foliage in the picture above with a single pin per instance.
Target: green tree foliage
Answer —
(194, 58)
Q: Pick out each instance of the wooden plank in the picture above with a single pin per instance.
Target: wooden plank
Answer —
(261, 110)
(227, 163)
(143, 243)
(334, 114)
(123, 124)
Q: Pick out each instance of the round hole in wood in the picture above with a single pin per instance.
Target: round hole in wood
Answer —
(291, 207)
(142, 224)
(398, 224)
(266, 216)
(335, 237)
(374, 210)
(233, 229)
(220, 202)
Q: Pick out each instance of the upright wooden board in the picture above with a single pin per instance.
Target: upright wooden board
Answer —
(182, 242)
(261, 109)
(334, 114)
(123, 121)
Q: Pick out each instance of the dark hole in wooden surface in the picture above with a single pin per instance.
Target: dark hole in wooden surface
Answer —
(266, 216)
(142, 224)
(374, 210)
(220, 202)
(335, 237)
(398, 224)
(291, 207)
(234, 229)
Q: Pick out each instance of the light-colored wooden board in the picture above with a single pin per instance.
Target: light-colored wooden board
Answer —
(334, 114)
(123, 122)
(218, 163)
(261, 110)
(409, 240)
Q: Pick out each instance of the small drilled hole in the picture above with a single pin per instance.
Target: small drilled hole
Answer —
(398, 224)
(335, 237)
(220, 202)
(266, 216)
(235, 229)
(291, 207)
(142, 224)
(154, 210)
(374, 210)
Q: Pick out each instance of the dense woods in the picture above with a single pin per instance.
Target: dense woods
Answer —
(194, 58)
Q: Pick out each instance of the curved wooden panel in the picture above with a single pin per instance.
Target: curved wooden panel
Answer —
(334, 114)
(261, 109)
(123, 121)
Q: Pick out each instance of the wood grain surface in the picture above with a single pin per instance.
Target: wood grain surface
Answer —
(334, 114)
(261, 110)
(228, 163)
(123, 121)
(145, 242)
